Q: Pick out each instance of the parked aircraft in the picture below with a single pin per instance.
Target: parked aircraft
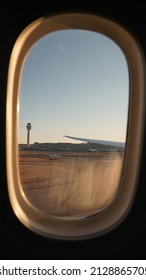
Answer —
(127, 240)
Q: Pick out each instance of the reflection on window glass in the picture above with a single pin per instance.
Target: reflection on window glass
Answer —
(74, 95)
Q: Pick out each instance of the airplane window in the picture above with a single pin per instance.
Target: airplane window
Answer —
(73, 82)
(75, 98)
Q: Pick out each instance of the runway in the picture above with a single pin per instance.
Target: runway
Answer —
(65, 184)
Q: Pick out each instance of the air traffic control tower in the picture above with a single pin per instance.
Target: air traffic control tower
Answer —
(28, 126)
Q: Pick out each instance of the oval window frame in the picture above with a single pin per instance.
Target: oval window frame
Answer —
(113, 215)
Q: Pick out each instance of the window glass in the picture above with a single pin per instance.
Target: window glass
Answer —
(74, 83)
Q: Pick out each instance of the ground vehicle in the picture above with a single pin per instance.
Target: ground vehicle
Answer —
(127, 240)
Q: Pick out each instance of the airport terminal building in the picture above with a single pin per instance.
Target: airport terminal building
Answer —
(60, 147)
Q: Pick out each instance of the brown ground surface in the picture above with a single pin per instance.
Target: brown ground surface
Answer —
(70, 183)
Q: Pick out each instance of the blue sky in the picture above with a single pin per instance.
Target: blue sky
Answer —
(76, 83)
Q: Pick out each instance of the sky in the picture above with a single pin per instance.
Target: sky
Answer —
(75, 83)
